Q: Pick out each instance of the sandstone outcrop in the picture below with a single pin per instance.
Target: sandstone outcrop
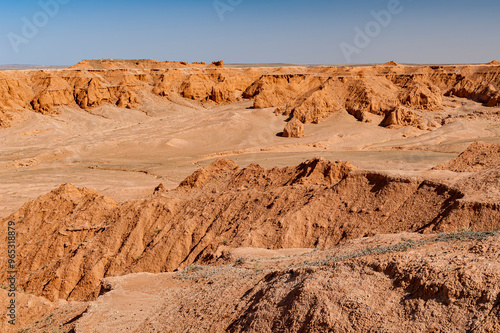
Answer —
(294, 129)
(391, 63)
(401, 117)
(307, 94)
(488, 94)
(421, 96)
(51, 92)
(71, 238)
(15, 94)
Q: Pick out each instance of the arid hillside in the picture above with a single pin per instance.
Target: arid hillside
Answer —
(154, 196)
(477, 157)
(392, 283)
(71, 239)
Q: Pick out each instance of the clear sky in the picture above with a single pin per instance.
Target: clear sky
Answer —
(250, 31)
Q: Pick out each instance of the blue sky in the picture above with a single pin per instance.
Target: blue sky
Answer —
(245, 31)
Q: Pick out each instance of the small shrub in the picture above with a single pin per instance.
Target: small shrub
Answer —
(240, 261)
(192, 268)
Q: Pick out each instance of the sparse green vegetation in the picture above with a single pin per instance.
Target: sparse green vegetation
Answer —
(210, 272)
(240, 261)
(467, 235)
(258, 267)
(192, 268)
(195, 272)
(407, 244)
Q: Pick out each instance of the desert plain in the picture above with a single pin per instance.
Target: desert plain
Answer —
(154, 196)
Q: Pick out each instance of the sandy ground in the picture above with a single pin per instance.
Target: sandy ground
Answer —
(126, 153)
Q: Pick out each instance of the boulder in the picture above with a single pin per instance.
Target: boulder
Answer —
(294, 129)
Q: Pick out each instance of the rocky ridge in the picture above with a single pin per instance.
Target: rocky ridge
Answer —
(72, 238)
(307, 94)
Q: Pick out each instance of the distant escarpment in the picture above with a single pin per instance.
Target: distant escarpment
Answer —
(93, 83)
(401, 94)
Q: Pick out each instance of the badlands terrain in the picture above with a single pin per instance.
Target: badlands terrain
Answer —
(156, 196)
